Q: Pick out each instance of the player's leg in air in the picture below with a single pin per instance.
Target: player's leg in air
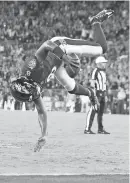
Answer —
(96, 22)
(85, 47)
(82, 48)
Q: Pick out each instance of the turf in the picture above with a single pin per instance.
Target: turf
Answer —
(66, 179)
(68, 150)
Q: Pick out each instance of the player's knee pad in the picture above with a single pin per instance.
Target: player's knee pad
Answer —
(70, 85)
(73, 90)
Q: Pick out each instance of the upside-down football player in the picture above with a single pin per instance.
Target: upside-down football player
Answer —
(59, 56)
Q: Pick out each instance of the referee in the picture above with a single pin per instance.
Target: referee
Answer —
(98, 81)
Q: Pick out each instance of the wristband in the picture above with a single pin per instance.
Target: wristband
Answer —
(58, 51)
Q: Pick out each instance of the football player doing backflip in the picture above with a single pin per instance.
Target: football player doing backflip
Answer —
(59, 56)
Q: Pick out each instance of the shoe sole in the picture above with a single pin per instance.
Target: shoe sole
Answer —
(109, 14)
(90, 133)
(104, 133)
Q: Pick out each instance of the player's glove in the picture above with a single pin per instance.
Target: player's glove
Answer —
(40, 143)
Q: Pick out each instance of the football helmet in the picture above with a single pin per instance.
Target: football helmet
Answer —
(25, 90)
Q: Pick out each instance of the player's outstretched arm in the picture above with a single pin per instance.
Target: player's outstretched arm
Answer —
(42, 118)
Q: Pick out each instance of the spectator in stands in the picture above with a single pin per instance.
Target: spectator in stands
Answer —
(77, 104)
(121, 96)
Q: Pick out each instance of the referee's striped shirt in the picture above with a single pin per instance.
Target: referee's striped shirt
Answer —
(99, 75)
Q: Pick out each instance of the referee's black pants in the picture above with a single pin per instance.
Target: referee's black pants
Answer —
(91, 113)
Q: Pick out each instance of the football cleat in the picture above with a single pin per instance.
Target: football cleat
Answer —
(40, 143)
(88, 132)
(101, 16)
(103, 132)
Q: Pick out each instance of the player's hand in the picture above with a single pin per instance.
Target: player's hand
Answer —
(96, 107)
(67, 59)
(40, 143)
(71, 59)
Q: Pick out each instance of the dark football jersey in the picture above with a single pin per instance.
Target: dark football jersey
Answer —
(32, 69)
(39, 70)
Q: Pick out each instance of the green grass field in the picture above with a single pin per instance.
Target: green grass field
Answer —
(84, 158)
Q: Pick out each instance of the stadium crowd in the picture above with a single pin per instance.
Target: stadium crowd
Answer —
(25, 25)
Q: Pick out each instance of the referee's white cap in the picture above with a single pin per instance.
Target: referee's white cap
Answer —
(100, 59)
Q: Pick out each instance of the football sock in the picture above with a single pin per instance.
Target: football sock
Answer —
(99, 36)
(80, 90)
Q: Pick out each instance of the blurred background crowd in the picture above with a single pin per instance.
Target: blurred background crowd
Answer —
(24, 26)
